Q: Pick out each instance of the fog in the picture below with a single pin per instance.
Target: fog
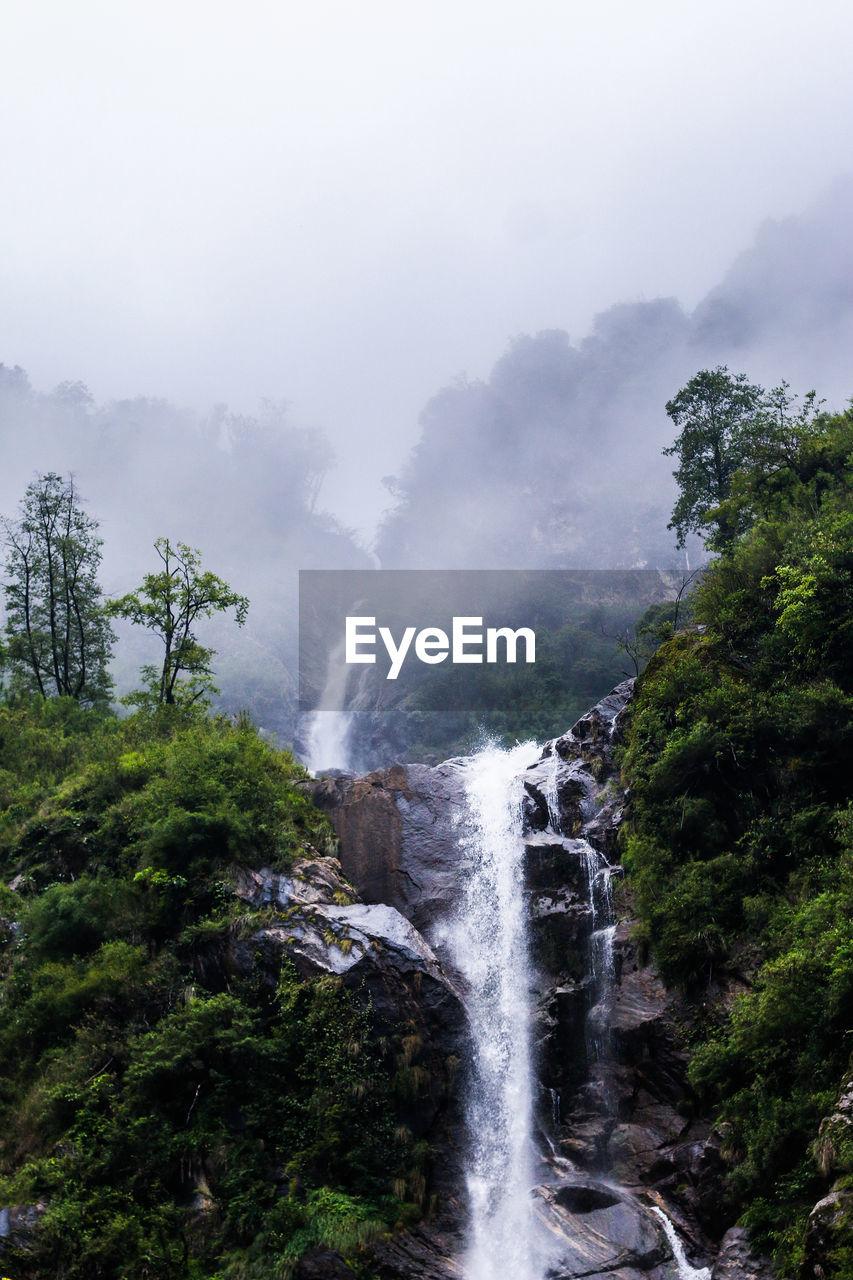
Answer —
(346, 206)
(555, 459)
(259, 261)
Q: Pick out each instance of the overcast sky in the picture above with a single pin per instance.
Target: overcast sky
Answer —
(346, 205)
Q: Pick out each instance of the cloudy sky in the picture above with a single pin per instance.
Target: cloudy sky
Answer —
(346, 205)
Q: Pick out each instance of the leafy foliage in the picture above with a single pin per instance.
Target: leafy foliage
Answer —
(734, 437)
(712, 410)
(172, 1117)
(170, 603)
(739, 841)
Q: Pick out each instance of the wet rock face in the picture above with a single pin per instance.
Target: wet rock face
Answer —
(552, 865)
(560, 1044)
(602, 1233)
(616, 1100)
(397, 829)
(429, 1252)
(576, 781)
(570, 786)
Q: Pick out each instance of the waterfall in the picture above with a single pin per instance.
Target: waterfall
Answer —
(328, 741)
(532, 832)
(489, 945)
(328, 730)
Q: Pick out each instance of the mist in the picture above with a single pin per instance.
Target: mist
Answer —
(555, 460)
(347, 207)
(403, 285)
(552, 461)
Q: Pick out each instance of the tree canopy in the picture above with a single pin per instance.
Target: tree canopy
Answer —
(713, 411)
(59, 636)
(169, 603)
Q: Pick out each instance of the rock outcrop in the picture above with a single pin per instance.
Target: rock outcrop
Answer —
(833, 1149)
(828, 1227)
(397, 829)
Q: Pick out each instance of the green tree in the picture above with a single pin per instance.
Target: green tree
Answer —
(714, 413)
(785, 426)
(815, 598)
(59, 635)
(170, 603)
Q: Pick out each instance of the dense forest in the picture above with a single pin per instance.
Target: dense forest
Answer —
(740, 841)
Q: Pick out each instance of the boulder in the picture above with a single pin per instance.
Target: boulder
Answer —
(737, 1260)
(597, 1230)
(828, 1226)
(311, 880)
(17, 1223)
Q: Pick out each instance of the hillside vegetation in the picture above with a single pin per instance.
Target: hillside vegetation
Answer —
(740, 840)
(169, 1117)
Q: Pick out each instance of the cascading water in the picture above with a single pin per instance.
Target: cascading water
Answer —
(686, 1271)
(329, 728)
(489, 946)
(534, 1213)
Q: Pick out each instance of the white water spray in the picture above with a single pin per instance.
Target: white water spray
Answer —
(489, 945)
(328, 733)
(686, 1271)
